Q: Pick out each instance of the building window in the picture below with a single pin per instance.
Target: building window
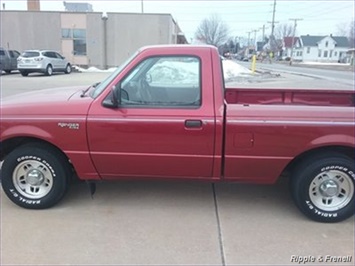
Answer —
(79, 47)
(308, 50)
(335, 53)
(319, 53)
(325, 54)
(330, 53)
(326, 44)
(66, 34)
(78, 36)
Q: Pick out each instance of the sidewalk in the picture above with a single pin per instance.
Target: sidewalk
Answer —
(340, 67)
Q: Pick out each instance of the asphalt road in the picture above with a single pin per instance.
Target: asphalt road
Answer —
(166, 223)
(338, 77)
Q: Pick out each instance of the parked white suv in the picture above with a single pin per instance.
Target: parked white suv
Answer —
(43, 61)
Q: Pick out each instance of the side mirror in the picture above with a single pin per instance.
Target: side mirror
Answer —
(116, 95)
(113, 100)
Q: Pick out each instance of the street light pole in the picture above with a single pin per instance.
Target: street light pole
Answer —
(142, 7)
(104, 19)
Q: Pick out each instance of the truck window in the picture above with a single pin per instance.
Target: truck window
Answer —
(166, 81)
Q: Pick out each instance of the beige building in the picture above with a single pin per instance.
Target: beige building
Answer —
(87, 38)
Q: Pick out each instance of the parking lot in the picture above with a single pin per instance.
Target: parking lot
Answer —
(165, 223)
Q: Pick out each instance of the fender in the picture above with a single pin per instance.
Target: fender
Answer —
(332, 140)
(80, 159)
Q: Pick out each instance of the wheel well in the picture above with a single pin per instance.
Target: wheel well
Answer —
(347, 151)
(9, 145)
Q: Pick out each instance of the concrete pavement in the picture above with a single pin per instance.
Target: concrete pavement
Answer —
(168, 223)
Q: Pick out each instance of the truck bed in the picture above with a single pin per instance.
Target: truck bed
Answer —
(290, 97)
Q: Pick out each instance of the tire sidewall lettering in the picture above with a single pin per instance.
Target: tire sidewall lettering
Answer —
(36, 158)
(22, 199)
(339, 168)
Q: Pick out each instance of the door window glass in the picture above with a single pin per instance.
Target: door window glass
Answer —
(169, 81)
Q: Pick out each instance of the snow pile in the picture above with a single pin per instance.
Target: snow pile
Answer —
(94, 70)
(178, 72)
(233, 70)
(188, 72)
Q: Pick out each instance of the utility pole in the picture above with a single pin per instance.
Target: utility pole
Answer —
(249, 37)
(293, 36)
(255, 31)
(263, 28)
(272, 41)
(273, 19)
(142, 7)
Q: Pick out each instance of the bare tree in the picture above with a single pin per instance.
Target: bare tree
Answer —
(212, 31)
(342, 29)
(283, 30)
(347, 30)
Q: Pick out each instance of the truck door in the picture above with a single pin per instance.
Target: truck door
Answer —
(164, 126)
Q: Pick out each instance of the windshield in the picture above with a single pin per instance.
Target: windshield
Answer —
(101, 87)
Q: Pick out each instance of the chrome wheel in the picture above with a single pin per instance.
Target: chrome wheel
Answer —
(32, 179)
(331, 190)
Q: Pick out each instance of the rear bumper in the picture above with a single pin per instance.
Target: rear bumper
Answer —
(32, 67)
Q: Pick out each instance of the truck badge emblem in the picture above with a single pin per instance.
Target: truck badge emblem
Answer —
(69, 125)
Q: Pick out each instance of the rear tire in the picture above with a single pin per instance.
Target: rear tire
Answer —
(24, 73)
(7, 71)
(323, 188)
(35, 176)
(49, 70)
(67, 69)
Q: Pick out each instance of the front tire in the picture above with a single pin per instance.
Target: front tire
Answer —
(35, 176)
(24, 73)
(323, 188)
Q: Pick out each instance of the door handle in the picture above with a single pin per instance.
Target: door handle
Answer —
(193, 123)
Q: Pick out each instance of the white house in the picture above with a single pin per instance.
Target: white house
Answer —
(330, 49)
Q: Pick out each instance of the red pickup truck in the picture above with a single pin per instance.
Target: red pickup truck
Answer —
(165, 114)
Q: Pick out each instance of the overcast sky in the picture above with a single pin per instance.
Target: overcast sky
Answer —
(319, 17)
